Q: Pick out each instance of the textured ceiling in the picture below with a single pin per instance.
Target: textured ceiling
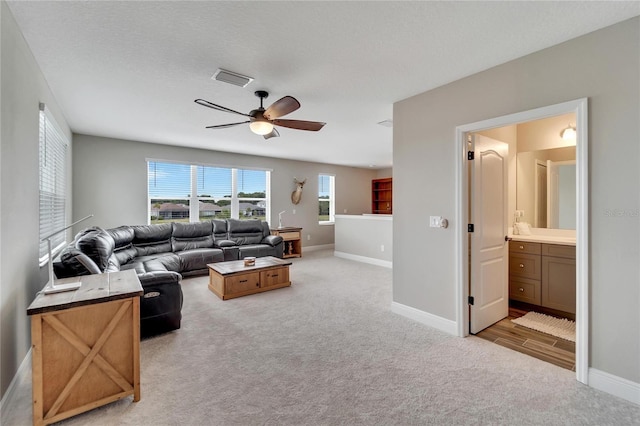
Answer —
(131, 70)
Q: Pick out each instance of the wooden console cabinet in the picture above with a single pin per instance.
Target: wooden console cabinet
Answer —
(292, 237)
(543, 274)
(233, 279)
(85, 345)
(382, 196)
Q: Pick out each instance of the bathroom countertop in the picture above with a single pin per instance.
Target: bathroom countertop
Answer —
(548, 239)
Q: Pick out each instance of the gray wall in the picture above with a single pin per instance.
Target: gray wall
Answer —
(384, 173)
(110, 181)
(603, 66)
(361, 235)
(23, 87)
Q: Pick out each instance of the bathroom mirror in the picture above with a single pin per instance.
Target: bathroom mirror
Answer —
(546, 187)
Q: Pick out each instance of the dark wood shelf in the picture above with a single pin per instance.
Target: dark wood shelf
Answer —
(382, 196)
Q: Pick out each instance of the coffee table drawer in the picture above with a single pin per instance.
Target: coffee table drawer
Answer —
(241, 283)
(274, 277)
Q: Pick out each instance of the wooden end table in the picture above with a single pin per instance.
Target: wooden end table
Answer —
(292, 237)
(233, 279)
(85, 345)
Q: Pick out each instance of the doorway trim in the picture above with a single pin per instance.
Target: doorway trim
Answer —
(579, 107)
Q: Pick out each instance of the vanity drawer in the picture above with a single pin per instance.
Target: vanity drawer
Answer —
(524, 266)
(523, 247)
(557, 250)
(525, 290)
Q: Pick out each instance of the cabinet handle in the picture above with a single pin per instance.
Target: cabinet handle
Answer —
(521, 265)
(243, 281)
(521, 289)
(257, 284)
(521, 247)
(274, 275)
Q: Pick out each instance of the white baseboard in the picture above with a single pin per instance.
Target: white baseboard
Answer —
(623, 388)
(318, 247)
(442, 324)
(364, 259)
(9, 395)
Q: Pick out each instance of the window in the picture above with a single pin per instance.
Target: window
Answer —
(326, 199)
(191, 193)
(52, 187)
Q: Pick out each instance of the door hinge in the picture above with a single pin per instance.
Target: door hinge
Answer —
(470, 300)
(470, 227)
(470, 155)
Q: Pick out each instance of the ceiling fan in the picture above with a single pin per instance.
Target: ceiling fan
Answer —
(261, 121)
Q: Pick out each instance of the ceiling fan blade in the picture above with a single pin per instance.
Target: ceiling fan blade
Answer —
(224, 126)
(274, 134)
(313, 126)
(218, 107)
(281, 107)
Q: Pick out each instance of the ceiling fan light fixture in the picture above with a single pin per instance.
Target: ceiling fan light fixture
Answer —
(232, 78)
(568, 133)
(260, 127)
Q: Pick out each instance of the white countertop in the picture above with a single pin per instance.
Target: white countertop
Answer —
(544, 239)
(563, 237)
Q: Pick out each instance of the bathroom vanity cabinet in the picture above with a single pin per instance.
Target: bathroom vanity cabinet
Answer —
(543, 274)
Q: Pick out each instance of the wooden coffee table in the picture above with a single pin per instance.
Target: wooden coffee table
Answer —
(233, 279)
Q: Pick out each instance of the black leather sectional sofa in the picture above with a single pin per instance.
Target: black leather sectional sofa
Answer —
(161, 255)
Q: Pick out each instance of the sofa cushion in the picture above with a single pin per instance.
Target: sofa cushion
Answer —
(123, 238)
(219, 229)
(188, 236)
(245, 231)
(98, 244)
(152, 239)
(169, 261)
(257, 250)
(197, 259)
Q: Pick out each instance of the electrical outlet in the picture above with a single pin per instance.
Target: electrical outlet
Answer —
(345, 210)
(308, 237)
(294, 211)
(434, 221)
(381, 247)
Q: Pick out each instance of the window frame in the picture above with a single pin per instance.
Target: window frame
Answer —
(332, 199)
(194, 199)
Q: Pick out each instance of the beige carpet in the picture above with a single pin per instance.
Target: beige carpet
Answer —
(558, 327)
(328, 351)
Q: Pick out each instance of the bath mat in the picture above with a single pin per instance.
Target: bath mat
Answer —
(558, 327)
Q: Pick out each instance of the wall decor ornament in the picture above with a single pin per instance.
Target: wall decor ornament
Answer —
(296, 195)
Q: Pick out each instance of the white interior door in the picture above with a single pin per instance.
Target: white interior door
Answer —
(489, 284)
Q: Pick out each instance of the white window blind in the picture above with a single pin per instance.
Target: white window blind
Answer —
(53, 176)
(169, 180)
(214, 182)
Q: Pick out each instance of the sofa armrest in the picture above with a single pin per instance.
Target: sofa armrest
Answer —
(224, 243)
(159, 277)
(272, 240)
(74, 263)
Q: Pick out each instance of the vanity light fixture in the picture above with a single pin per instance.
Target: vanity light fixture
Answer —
(568, 133)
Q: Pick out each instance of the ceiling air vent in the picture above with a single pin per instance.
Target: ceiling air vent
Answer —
(232, 78)
(386, 123)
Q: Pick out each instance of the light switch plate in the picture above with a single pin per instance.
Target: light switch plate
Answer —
(434, 221)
